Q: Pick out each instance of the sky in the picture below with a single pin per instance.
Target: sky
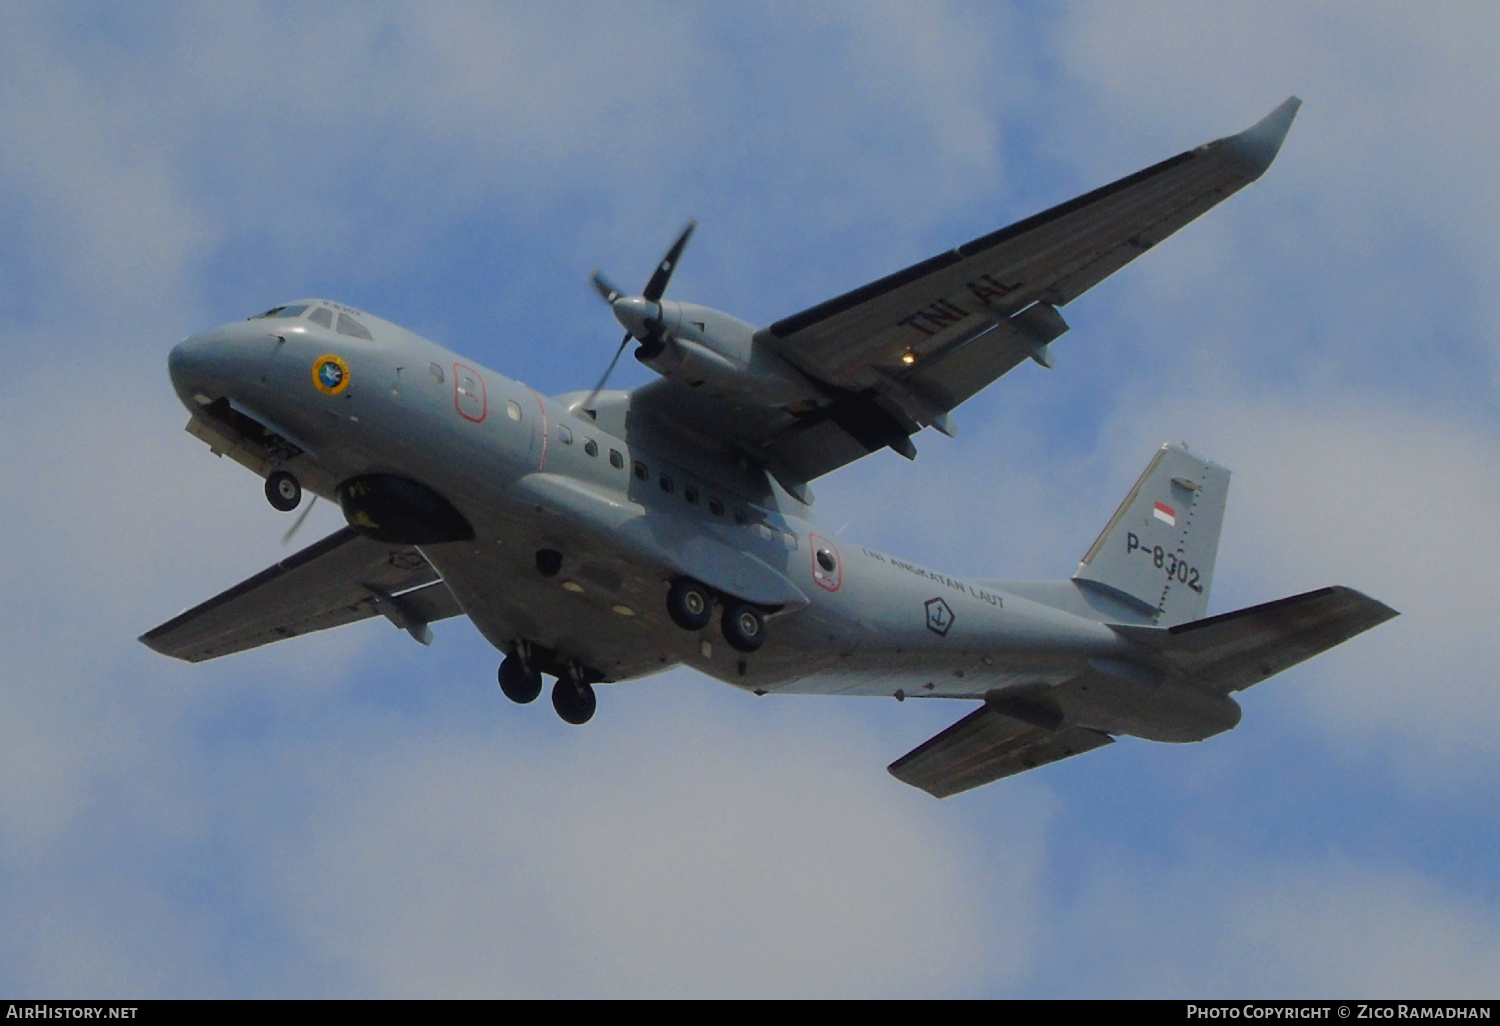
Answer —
(349, 814)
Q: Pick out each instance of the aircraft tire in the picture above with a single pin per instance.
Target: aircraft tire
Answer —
(690, 604)
(744, 627)
(519, 685)
(575, 703)
(283, 491)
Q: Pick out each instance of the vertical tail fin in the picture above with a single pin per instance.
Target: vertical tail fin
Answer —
(1158, 550)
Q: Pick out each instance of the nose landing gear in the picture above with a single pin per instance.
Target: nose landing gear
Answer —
(283, 491)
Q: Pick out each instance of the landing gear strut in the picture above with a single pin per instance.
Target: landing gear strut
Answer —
(520, 683)
(283, 491)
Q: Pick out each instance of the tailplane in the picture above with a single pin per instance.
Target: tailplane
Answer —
(1157, 553)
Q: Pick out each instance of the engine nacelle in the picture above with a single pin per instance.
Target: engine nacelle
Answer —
(707, 349)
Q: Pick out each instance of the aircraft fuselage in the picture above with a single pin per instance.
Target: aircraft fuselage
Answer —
(535, 474)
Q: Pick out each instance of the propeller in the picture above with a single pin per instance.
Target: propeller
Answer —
(291, 532)
(641, 315)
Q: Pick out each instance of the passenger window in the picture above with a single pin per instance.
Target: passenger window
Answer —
(513, 410)
(591, 447)
(690, 494)
(436, 372)
(666, 484)
(321, 316)
(564, 434)
(349, 326)
(741, 517)
(641, 471)
(716, 506)
(789, 541)
(616, 460)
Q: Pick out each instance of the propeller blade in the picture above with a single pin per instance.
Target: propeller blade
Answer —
(658, 283)
(301, 519)
(588, 404)
(604, 287)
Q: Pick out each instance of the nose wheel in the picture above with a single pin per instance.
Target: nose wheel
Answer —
(283, 491)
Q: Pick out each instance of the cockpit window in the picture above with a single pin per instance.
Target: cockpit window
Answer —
(349, 326)
(321, 316)
(281, 311)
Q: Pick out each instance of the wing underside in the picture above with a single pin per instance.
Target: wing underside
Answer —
(342, 579)
(898, 354)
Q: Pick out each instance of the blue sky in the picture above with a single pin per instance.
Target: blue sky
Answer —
(350, 814)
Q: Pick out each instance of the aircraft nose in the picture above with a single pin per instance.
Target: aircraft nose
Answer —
(190, 364)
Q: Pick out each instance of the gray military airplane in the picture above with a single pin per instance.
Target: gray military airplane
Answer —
(596, 536)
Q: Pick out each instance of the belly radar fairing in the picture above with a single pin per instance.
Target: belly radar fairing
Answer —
(601, 536)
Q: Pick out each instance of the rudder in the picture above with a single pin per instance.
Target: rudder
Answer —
(1158, 549)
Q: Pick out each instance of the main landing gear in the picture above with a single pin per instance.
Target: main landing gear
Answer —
(691, 607)
(283, 491)
(572, 696)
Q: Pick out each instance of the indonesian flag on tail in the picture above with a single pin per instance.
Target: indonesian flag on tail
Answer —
(1165, 512)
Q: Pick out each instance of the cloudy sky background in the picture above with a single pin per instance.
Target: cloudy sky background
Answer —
(349, 814)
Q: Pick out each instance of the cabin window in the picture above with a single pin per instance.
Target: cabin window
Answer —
(436, 372)
(716, 506)
(349, 326)
(564, 434)
(690, 494)
(321, 316)
(642, 472)
(789, 541)
(741, 517)
(666, 484)
(616, 460)
(591, 447)
(513, 410)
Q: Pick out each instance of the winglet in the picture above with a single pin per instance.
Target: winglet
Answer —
(1257, 146)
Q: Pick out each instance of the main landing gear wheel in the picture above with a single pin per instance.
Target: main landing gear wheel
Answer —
(283, 491)
(575, 703)
(689, 604)
(744, 627)
(519, 684)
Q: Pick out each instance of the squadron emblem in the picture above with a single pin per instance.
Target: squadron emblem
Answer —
(330, 374)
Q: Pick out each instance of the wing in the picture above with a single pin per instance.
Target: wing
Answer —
(341, 579)
(898, 354)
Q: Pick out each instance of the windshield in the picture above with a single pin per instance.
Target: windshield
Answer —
(281, 311)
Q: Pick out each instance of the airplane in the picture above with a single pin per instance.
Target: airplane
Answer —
(595, 537)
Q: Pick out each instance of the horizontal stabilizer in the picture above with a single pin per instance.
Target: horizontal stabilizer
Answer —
(343, 578)
(1234, 650)
(989, 744)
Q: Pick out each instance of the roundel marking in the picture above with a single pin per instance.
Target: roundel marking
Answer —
(330, 374)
